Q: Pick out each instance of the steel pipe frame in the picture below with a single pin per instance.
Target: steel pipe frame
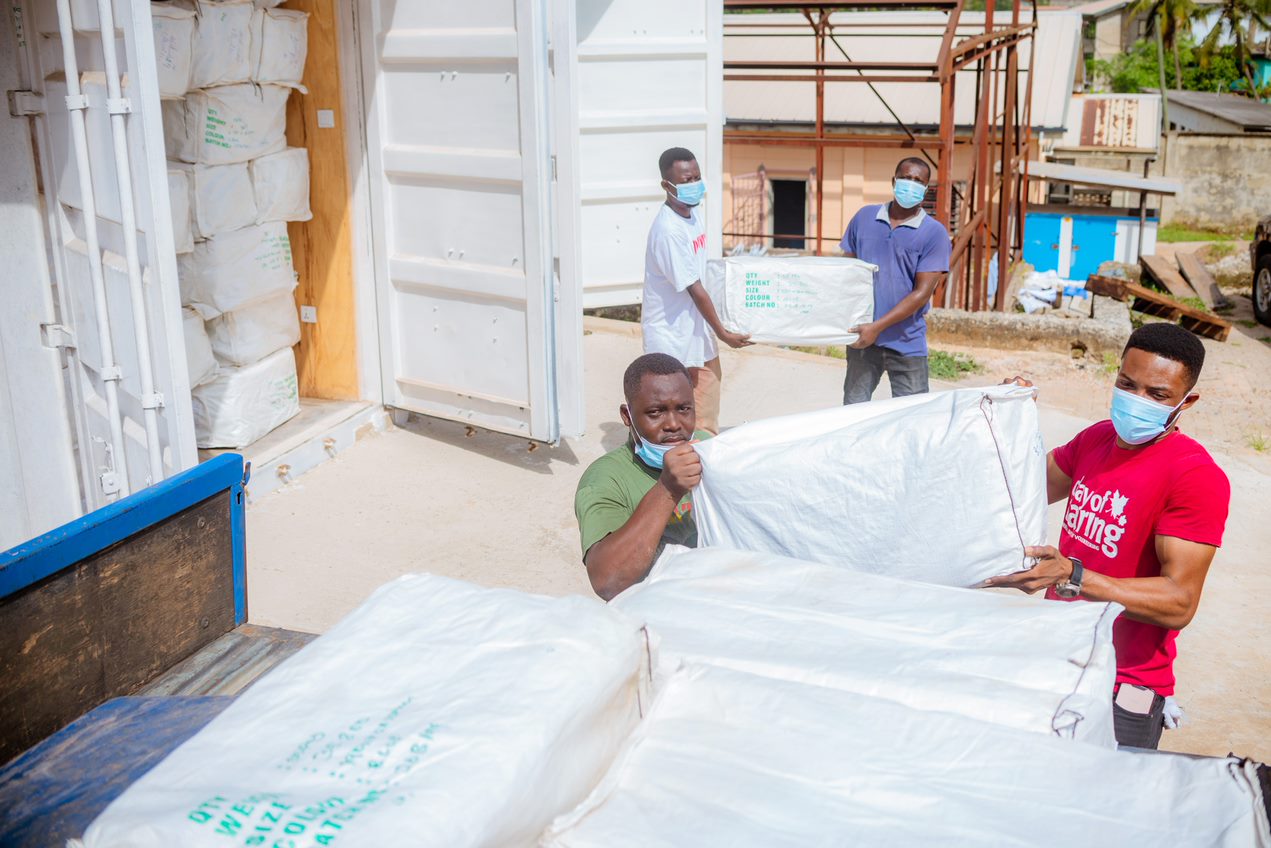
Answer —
(992, 211)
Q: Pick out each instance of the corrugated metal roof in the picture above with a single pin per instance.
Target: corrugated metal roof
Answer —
(1100, 177)
(1247, 113)
(874, 37)
(1114, 120)
(1099, 8)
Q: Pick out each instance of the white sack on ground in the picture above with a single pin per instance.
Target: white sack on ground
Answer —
(726, 758)
(173, 48)
(237, 269)
(179, 199)
(281, 185)
(250, 334)
(233, 123)
(792, 299)
(284, 44)
(437, 713)
(225, 42)
(243, 404)
(221, 198)
(947, 487)
(198, 349)
(1012, 660)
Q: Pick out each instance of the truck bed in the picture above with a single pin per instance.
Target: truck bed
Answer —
(53, 791)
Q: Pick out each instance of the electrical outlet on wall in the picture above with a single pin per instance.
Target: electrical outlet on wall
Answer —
(309, 314)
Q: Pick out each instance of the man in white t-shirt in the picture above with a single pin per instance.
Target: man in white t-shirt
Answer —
(678, 317)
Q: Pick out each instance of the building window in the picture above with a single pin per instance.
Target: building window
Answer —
(789, 213)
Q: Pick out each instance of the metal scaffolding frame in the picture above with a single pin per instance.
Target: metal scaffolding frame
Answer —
(992, 196)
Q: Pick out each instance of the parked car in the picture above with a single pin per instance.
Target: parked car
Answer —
(1260, 257)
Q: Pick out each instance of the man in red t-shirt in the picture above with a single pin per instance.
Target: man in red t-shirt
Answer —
(1146, 511)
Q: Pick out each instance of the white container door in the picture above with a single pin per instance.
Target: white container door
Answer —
(649, 76)
(459, 125)
(112, 302)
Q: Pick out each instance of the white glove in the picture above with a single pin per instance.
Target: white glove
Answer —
(1173, 713)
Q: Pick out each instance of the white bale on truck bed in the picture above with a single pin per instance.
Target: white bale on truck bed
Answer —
(727, 758)
(1004, 659)
(813, 300)
(437, 713)
(947, 487)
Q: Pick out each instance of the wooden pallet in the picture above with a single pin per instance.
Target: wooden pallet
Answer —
(1202, 281)
(1154, 303)
(1163, 273)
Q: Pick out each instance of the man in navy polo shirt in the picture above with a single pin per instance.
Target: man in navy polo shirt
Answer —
(911, 250)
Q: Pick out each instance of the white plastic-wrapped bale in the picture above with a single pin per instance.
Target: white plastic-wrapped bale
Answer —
(221, 198)
(225, 43)
(437, 713)
(237, 269)
(179, 200)
(284, 44)
(947, 487)
(250, 334)
(726, 758)
(928, 647)
(198, 348)
(243, 404)
(281, 184)
(232, 123)
(792, 299)
(174, 30)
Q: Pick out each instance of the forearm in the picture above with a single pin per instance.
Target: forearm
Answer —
(624, 557)
(706, 306)
(908, 305)
(1153, 600)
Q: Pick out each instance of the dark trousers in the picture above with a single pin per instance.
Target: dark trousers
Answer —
(908, 374)
(1139, 730)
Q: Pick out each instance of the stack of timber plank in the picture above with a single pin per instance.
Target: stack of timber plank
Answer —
(1158, 271)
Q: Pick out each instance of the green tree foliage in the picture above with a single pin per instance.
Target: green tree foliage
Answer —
(1136, 71)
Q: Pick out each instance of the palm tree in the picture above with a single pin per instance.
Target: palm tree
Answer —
(1237, 17)
(1171, 19)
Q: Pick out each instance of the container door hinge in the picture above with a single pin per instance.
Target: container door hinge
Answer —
(57, 336)
(110, 482)
(24, 104)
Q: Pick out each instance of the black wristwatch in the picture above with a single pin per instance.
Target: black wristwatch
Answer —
(1071, 588)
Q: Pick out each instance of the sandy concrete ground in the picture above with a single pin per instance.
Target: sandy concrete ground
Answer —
(485, 508)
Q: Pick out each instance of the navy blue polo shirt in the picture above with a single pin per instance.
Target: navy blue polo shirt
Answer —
(918, 245)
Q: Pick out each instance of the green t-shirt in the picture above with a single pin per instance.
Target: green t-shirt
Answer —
(610, 490)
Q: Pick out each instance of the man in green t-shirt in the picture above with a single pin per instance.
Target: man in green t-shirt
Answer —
(636, 499)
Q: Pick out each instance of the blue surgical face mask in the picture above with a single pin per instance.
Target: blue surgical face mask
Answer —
(909, 193)
(651, 454)
(690, 193)
(1138, 420)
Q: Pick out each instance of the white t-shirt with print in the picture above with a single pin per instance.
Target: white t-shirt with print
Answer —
(674, 259)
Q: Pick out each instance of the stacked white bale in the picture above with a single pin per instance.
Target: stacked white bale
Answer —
(283, 47)
(231, 123)
(281, 185)
(237, 269)
(225, 43)
(244, 404)
(233, 63)
(174, 30)
(179, 200)
(221, 198)
(198, 348)
(250, 334)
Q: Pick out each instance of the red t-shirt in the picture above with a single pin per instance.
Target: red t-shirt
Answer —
(1120, 501)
